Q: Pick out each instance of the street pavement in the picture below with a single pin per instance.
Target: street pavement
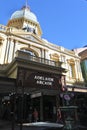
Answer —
(30, 126)
(6, 125)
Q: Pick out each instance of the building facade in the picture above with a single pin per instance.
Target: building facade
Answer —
(82, 52)
(33, 68)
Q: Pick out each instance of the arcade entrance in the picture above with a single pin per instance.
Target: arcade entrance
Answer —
(49, 108)
(46, 107)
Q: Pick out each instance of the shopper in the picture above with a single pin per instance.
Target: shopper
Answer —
(58, 115)
(35, 115)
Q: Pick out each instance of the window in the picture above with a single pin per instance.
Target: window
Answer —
(54, 57)
(84, 69)
(71, 70)
(29, 52)
(63, 58)
(29, 29)
(71, 63)
(1, 43)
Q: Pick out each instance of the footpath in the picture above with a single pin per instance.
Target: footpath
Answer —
(6, 125)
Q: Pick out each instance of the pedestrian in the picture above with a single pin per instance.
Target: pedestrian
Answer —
(35, 115)
(58, 115)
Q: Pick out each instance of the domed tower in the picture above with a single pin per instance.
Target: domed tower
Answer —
(26, 20)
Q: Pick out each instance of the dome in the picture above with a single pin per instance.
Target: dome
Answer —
(24, 12)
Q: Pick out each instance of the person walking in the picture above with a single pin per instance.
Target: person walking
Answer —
(58, 115)
(35, 115)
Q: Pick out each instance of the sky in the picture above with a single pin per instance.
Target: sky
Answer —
(63, 22)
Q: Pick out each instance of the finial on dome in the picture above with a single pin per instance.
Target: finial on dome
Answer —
(26, 6)
(26, 3)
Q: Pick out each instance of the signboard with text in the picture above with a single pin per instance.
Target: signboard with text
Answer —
(31, 78)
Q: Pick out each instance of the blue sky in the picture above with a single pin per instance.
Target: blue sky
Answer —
(63, 22)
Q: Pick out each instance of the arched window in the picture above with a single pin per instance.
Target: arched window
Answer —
(54, 57)
(29, 29)
(30, 52)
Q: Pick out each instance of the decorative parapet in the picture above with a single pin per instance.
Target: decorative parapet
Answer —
(26, 56)
(9, 29)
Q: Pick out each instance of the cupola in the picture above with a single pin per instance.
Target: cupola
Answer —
(26, 20)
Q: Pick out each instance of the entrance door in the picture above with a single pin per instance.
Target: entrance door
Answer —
(46, 109)
(49, 108)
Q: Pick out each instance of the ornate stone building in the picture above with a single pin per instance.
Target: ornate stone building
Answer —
(82, 98)
(82, 52)
(33, 67)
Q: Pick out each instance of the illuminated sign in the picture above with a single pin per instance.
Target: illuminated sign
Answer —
(43, 80)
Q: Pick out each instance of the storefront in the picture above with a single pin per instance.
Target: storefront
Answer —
(42, 90)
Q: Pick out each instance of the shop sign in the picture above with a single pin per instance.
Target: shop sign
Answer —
(31, 78)
(42, 80)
